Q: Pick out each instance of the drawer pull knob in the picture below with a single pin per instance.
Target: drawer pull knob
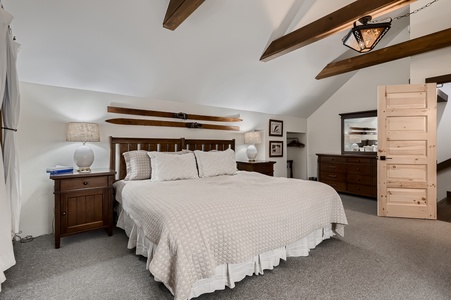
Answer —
(333, 167)
(333, 176)
(63, 213)
(85, 183)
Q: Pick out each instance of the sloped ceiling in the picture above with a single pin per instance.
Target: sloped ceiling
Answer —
(212, 58)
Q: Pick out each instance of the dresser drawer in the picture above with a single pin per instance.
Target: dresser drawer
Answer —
(83, 183)
(333, 167)
(359, 169)
(359, 179)
(359, 189)
(359, 160)
(332, 159)
(325, 175)
(338, 186)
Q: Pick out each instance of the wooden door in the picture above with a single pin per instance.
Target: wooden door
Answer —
(407, 151)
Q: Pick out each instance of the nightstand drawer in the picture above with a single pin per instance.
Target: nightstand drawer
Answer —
(83, 183)
(263, 167)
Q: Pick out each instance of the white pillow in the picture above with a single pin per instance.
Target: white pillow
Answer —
(138, 165)
(167, 166)
(215, 163)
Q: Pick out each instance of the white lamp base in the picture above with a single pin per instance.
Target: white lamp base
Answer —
(83, 158)
(251, 153)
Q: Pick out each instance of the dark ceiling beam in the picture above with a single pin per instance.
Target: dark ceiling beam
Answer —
(178, 11)
(330, 24)
(439, 79)
(416, 46)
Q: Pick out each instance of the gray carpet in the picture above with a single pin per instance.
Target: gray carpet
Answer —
(378, 258)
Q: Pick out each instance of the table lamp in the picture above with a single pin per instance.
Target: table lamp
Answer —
(83, 132)
(252, 138)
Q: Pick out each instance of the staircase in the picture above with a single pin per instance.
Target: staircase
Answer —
(444, 209)
(444, 205)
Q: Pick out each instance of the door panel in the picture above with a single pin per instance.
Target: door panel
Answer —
(407, 139)
(406, 148)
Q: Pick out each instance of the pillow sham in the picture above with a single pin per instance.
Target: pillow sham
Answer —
(167, 166)
(137, 164)
(216, 163)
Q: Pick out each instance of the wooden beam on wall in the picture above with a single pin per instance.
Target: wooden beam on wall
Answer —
(439, 79)
(330, 24)
(416, 46)
(178, 11)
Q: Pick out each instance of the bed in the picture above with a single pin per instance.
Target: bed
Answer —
(202, 224)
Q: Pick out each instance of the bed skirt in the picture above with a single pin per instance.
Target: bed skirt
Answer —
(226, 274)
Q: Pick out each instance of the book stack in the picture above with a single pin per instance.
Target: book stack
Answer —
(59, 170)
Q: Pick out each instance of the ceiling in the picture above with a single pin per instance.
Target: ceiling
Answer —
(212, 58)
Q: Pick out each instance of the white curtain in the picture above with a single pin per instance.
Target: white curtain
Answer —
(6, 248)
(10, 112)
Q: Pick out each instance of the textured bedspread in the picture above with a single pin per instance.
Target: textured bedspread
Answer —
(199, 224)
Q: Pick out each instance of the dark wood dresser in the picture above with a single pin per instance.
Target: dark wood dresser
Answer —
(83, 202)
(353, 174)
(264, 167)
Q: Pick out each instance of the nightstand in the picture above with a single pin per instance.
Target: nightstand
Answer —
(264, 167)
(83, 202)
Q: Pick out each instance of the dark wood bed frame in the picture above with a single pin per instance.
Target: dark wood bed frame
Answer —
(119, 145)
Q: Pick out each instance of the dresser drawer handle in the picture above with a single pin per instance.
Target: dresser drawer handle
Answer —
(333, 176)
(85, 183)
(333, 167)
(63, 213)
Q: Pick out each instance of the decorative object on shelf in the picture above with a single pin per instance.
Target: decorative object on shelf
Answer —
(172, 115)
(143, 122)
(275, 149)
(364, 37)
(83, 132)
(252, 138)
(294, 142)
(275, 128)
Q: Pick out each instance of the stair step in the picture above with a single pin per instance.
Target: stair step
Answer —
(444, 209)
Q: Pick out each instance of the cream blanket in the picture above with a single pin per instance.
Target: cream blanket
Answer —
(199, 224)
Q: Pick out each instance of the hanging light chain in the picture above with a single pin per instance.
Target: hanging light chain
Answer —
(407, 14)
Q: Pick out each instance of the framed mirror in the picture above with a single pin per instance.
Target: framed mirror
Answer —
(359, 132)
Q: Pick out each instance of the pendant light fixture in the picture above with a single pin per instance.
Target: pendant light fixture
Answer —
(363, 38)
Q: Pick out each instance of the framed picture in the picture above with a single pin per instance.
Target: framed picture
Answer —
(275, 148)
(275, 128)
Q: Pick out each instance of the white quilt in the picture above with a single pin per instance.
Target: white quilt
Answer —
(199, 224)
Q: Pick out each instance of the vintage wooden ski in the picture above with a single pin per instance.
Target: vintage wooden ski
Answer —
(163, 114)
(143, 122)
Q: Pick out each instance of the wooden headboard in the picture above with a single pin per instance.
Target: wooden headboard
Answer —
(119, 145)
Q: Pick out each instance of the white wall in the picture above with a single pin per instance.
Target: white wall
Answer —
(41, 138)
(358, 94)
(435, 18)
